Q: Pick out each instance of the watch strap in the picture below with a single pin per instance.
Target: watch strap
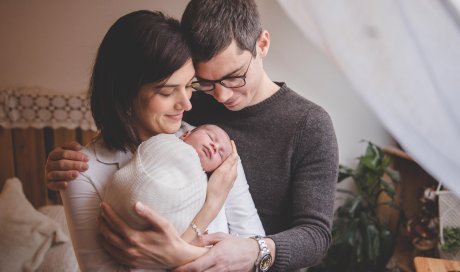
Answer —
(264, 259)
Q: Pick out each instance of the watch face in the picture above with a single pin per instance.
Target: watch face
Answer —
(265, 262)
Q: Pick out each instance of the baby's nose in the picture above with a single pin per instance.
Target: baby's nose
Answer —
(214, 148)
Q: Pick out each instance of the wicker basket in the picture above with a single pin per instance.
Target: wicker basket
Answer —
(449, 216)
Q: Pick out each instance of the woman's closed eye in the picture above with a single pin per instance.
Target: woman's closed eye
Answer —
(165, 91)
(165, 94)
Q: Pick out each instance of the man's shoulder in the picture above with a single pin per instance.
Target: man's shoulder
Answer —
(294, 104)
(296, 99)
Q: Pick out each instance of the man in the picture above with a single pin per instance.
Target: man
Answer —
(287, 144)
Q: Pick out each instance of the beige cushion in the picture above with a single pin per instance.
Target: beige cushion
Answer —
(60, 257)
(25, 234)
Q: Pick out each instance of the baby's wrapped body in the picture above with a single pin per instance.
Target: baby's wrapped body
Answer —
(164, 174)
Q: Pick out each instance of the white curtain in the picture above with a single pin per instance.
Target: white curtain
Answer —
(403, 58)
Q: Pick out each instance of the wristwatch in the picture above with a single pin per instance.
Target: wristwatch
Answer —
(264, 260)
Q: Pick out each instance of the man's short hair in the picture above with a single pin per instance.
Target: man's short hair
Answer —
(211, 26)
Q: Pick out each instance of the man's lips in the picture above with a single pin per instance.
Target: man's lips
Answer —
(230, 103)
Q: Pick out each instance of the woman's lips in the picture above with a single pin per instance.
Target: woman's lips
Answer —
(176, 117)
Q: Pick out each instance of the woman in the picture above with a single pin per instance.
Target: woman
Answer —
(140, 87)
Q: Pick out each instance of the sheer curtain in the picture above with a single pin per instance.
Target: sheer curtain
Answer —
(403, 58)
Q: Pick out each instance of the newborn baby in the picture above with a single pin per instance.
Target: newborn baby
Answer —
(211, 143)
(168, 174)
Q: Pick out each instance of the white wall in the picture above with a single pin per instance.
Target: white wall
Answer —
(52, 44)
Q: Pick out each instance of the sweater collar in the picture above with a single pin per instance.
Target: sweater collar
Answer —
(267, 102)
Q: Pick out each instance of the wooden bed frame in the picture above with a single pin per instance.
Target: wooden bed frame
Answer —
(23, 154)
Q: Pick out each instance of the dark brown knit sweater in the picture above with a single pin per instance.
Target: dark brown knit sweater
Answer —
(289, 153)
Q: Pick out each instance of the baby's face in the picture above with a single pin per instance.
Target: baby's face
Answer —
(212, 145)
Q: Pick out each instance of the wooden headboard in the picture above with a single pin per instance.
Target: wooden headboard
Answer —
(24, 152)
(33, 121)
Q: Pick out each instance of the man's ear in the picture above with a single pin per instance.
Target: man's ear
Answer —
(263, 44)
(185, 135)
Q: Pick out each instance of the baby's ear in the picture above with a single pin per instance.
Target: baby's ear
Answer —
(185, 135)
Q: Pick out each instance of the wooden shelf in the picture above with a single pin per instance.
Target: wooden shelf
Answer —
(414, 180)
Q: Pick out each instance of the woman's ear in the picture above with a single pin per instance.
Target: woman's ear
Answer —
(185, 135)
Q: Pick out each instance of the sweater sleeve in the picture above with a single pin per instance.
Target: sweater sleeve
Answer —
(313, 181)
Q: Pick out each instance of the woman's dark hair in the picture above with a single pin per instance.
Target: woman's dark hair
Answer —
(140, 47)
(212, 25)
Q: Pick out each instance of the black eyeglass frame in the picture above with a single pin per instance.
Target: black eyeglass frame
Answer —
(220, 81)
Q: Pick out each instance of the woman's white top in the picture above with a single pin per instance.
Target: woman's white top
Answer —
(83, 196)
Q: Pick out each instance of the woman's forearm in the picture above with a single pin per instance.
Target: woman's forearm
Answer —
(207, 213)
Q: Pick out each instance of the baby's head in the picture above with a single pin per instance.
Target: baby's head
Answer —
(211, 143)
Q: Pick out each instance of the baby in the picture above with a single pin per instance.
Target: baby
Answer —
(211, 143)
(168, 174)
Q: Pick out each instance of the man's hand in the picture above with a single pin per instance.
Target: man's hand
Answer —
(64, 164)
(160, 246)
(229, 253)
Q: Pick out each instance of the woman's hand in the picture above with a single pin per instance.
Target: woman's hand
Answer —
(221, 181)
(160, 246)
(63, 165)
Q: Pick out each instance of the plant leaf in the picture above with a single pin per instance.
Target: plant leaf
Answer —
(344, 172)
(388, 188)
(394, 175)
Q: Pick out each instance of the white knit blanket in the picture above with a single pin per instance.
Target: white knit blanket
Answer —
(164, 174)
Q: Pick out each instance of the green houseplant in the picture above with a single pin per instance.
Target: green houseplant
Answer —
(360, 241)
(451, 239)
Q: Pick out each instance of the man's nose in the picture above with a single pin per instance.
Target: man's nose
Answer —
(222, 94)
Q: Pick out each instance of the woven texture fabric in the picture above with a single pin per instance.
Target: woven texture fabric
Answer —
(39, 108)
(449, 216)
(164, 174)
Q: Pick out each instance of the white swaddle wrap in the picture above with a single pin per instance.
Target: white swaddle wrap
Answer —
(164, 174)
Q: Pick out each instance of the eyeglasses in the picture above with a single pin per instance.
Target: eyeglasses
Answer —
(227, 82)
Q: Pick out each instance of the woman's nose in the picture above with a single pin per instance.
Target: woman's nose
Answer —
(184, 102)
(187, 105)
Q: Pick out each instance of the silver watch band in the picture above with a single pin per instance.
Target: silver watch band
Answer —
(264, 260)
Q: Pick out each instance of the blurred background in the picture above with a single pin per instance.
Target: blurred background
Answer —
(52, 44)
(386, 72)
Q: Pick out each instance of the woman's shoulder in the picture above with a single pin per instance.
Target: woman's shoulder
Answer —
(89, 149)
(98, 153)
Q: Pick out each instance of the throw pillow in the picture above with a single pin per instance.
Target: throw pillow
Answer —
(25, 234)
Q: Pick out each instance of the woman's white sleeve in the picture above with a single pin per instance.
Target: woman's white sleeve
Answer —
(240, 209)
(82, 207)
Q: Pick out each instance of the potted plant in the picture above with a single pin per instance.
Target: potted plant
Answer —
(450, 248)
(360, 241)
